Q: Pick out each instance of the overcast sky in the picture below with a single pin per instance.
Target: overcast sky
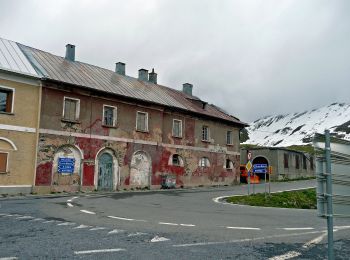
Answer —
(251, 57)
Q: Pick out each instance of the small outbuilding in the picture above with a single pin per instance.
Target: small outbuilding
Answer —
(281, 162)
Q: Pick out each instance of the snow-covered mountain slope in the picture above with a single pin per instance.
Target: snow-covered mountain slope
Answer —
(299, 128)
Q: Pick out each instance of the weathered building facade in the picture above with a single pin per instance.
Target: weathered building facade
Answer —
(286, 164)
(101, 129)
(19, 115)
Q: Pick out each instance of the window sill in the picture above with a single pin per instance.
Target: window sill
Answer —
(142, 131)
(229, 144)
(179, 137)
(206, 141)
(70, 121)
(4, 172)
(110, 126)
(7, 113)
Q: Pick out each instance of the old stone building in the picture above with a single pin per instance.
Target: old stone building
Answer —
(285, 163)
(19, 112)
(102, 129)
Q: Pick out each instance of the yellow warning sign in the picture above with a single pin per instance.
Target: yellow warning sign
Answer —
(248, 166)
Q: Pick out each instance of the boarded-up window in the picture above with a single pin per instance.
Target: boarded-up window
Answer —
(229, 137)
(3, 162)
(142, 121)
(297, 163)
(109, 115)
(6, 96)
(286, 164)
(71, 109)
(205, 133)
(177, 128)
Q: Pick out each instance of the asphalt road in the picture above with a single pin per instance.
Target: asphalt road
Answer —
(171, 224)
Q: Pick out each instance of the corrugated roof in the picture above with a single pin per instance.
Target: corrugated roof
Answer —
(13, 59)
(82, 74)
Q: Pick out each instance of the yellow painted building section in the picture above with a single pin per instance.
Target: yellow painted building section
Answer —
(18, 132)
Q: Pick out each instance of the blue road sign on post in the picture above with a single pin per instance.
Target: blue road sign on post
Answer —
(260, 166)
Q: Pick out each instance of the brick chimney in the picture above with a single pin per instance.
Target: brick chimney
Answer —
(153, 77)
(120, 68)
(143, 74)
(187, 88)
(70, 52)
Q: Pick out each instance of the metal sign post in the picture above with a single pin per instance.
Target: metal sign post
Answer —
(329, 196)
(249, 167)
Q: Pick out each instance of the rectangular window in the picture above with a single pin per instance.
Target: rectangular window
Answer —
(6, 100)
(286, 165)
(304, 162)
(177, 128)
(71, 109)
(3, 162)
(312, 163)
(205, 133)
(297, 165)
(109, 116)
(229, 137)
(142, 121)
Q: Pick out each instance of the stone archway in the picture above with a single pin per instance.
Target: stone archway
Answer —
(67, 166)
(140, 170)
(261, 160)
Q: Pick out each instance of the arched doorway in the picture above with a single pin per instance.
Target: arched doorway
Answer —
(67, 166)
(260, 160)
(140, 170)
(105, 172)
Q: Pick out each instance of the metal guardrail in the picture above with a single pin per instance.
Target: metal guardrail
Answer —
(333, 180)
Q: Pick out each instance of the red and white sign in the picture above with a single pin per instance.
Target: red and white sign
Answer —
(249, 155)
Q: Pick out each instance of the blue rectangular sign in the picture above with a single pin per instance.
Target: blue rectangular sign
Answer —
(260, 170)
(66, 165)
(259, 166)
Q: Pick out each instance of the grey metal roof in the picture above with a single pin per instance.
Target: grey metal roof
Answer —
(13, 59)
(82, 74)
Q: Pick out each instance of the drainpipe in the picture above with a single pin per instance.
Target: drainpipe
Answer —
(37, 134)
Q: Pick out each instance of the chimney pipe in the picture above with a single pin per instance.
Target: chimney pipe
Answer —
(143, 74)
(187, 88)
(70, 52)
(120, 68)
(153, 77)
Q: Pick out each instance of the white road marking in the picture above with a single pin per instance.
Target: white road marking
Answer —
(97, 228)
(127, 219)
(9, 215)
(187, 225)
(37, 219)
(341, 227)
(70, 204)
(25, 217)
(159, 239)
(314, 241)
(82, 226)
(302, 228)
(66, 224)
(292, 254)
(247, 239)
(99, 251)
(9, 258)
(244, 228)
(3, 214)
(70, 200)
(116, 231)
(87, 212)
(167, 223)
(49, 221)
(137, 234)
(286, 256)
